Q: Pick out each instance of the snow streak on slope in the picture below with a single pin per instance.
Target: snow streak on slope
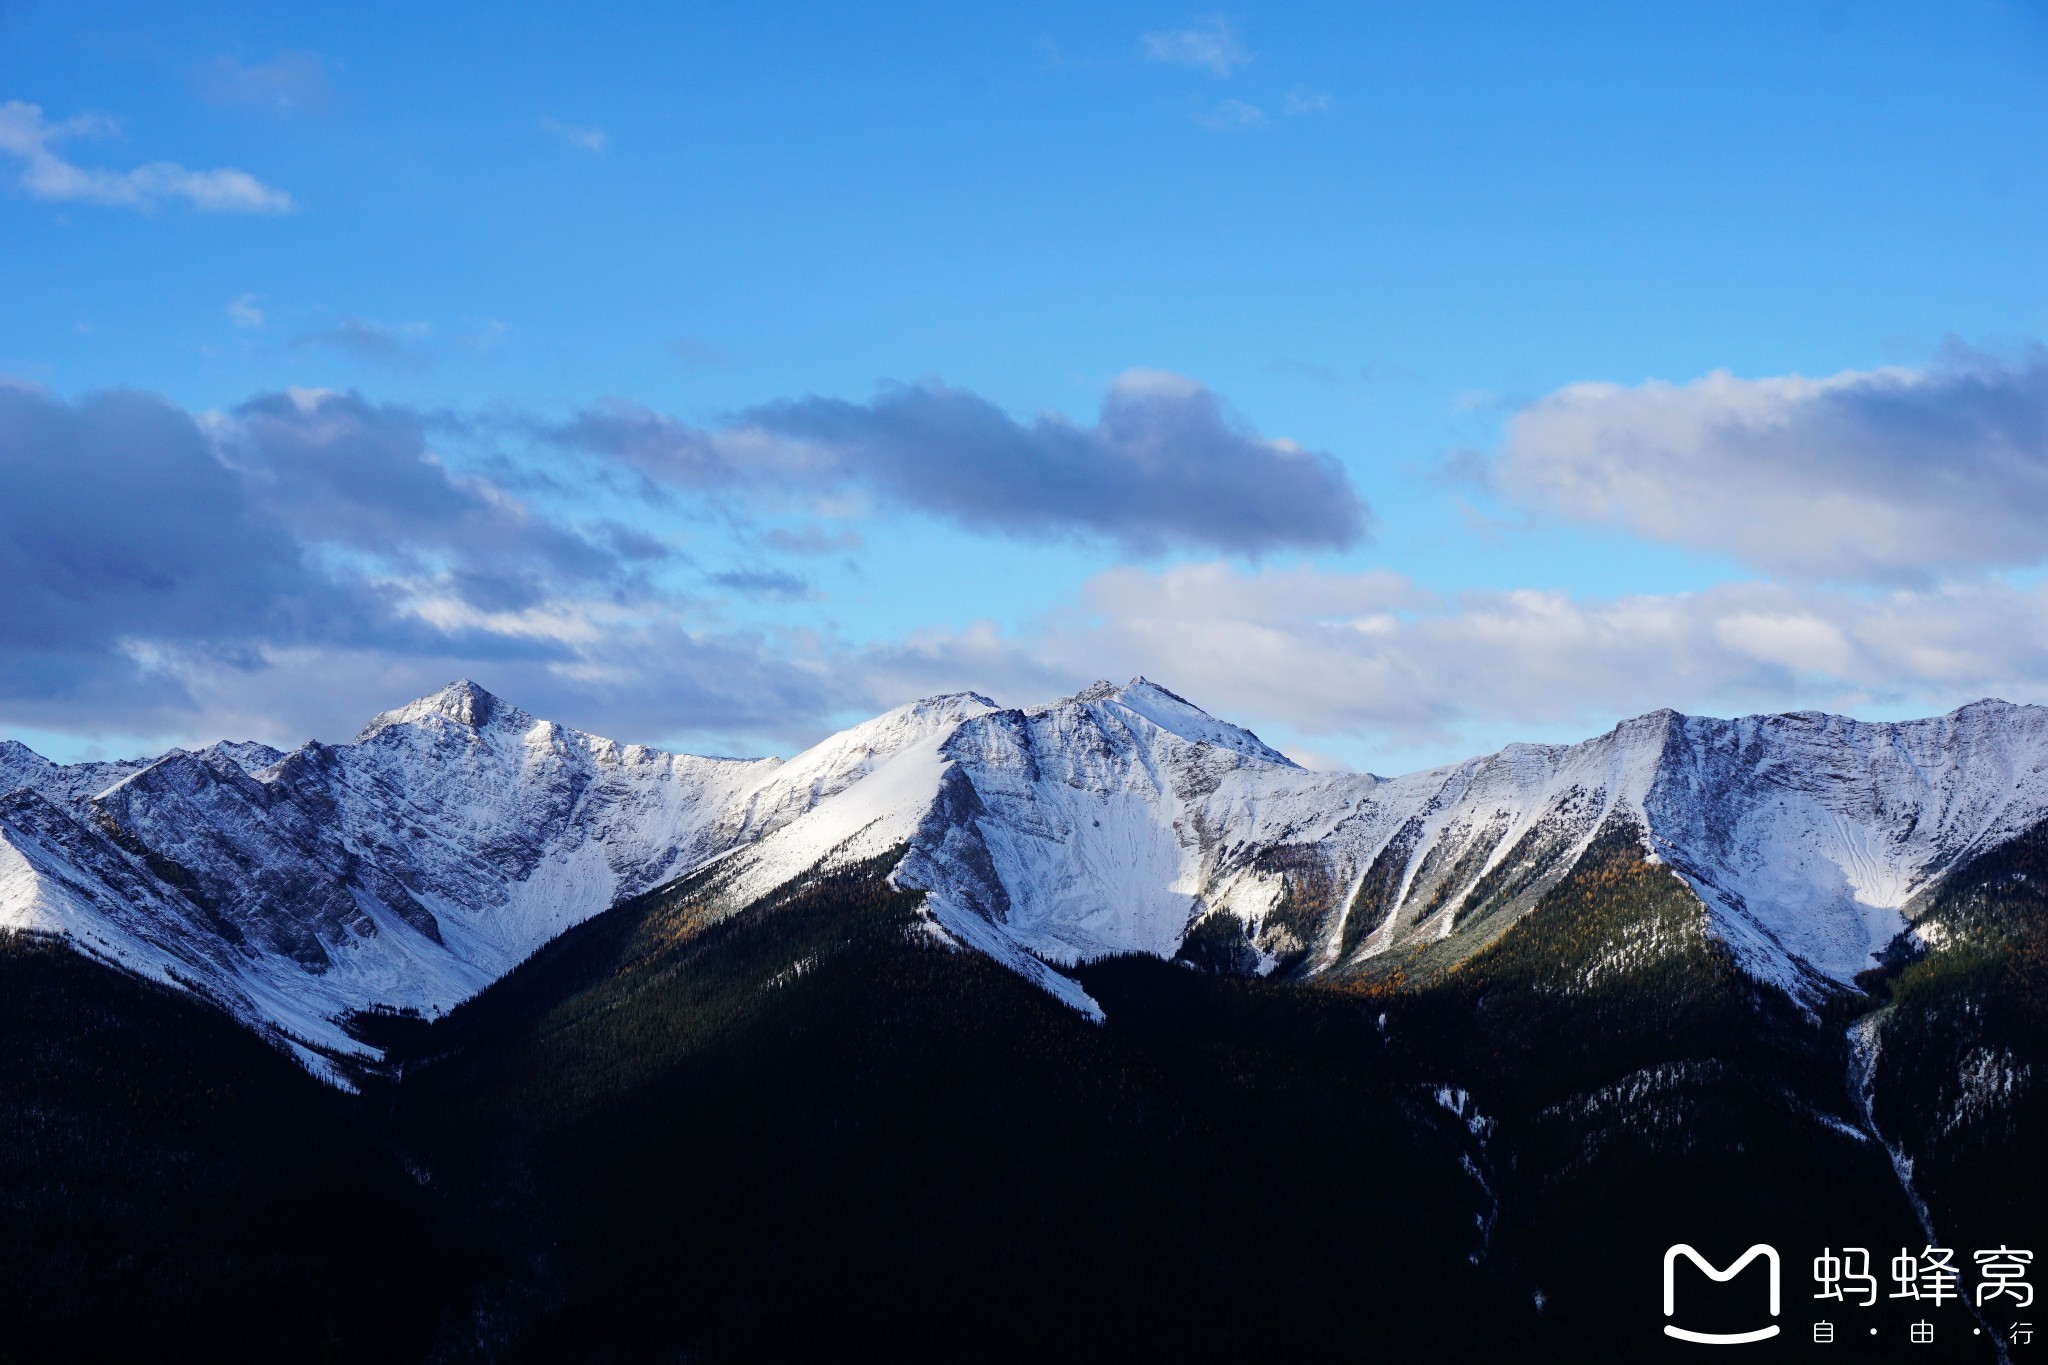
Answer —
(415, 865)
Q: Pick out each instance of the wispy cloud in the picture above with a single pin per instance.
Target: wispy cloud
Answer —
(31, 140)
(813, 539)
(591, 140)
(385, 343)
(1299, 102)
(1212, 46)
(698, 354)
(772, 583)
(1232, 114)
(487, 335)
(293, 82)
(243, 312)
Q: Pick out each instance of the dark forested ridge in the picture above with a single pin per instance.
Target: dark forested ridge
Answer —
(816, 1131)
(823, 1134)
(167, 1178)
(1649, 1092)
(1962, 1048)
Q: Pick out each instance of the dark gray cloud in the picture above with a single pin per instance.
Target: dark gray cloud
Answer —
(156, 561)
(287, 567)
(119, 527)
(337, 470)
(1165, 465)
(1892, 476)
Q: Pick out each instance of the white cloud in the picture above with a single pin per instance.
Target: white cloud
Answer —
(1893, 475)
(1211, 46)
(30, 138)
(1373, 656)
(243, 312)
(1347, 657)
(591, 140)
(1300, 102)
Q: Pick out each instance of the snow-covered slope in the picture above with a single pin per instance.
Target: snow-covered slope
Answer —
(413, 866)
(1810, 835)
(407, 869)
(1117, 819)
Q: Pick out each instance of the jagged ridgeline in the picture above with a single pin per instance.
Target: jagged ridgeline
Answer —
(1097, 1028)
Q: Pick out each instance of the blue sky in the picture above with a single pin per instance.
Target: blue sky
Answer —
(715, 376)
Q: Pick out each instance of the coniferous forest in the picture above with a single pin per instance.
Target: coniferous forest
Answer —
(815, 1131)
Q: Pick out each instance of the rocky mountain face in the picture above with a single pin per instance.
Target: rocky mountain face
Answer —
(411, 867)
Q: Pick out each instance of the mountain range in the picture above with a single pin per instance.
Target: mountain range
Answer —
(1798, 939)
(409, 868)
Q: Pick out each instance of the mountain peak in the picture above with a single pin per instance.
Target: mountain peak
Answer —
(1177, 715)
(461, 701)
(1102, 689)
(464, 701)
(20, 765)
(940, 703)
(1656, 725)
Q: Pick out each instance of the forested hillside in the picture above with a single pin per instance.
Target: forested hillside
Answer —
(819, 1129)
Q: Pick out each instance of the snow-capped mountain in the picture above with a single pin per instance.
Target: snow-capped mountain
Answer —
(407, 869)
(454, 836)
